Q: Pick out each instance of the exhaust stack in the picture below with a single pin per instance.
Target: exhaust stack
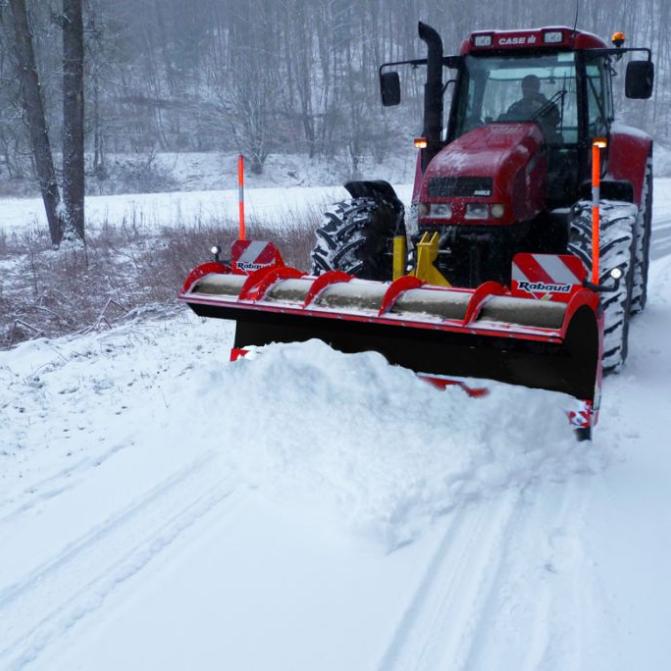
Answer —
(433, 92)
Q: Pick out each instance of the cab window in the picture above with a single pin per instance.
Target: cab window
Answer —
(493, 90)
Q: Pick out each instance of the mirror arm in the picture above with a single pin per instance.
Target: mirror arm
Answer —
(451, 62)
(447, 83)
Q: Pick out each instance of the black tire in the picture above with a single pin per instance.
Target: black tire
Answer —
(356, 237)
(617, 241)
(644, 232)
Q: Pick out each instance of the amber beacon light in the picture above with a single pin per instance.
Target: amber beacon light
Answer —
(617, 39)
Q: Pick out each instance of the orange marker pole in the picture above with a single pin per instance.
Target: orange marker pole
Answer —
(241, 197)
(596, 197)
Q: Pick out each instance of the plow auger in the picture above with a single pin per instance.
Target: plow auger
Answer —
(442, 333)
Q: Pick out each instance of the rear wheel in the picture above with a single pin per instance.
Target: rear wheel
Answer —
(617, 240)
(356, 237)
(644, 227)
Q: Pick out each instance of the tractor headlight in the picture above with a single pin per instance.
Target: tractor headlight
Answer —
(440, 210)
(477, 211)
(498, 210)
(423, 210)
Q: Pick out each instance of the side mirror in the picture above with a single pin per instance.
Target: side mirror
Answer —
(390, 88)
(639, 79)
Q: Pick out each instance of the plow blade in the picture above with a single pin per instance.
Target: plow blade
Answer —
(437, 332)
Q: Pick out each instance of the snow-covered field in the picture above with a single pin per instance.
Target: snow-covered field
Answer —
(161, 508)
(271, 206)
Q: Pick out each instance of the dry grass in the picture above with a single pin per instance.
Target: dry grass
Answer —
(125, 271)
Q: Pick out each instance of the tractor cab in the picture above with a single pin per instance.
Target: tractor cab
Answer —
(556, 77)
(514, 158)
(535, 88)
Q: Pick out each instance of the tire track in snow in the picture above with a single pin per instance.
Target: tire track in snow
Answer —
(548, 634)
(544, 607)
(515, 630)
(442, 617)
(575, 618)
(108, 555)
(55, 484)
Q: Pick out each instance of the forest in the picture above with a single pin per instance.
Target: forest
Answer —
(271, 76)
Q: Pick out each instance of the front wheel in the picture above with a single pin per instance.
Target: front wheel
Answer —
(617, 240)
(356, 237)
(644, 227)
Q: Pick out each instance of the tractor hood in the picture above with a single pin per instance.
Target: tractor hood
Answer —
(501, 163)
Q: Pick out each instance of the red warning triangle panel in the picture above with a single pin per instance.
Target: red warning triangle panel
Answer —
(547, 276)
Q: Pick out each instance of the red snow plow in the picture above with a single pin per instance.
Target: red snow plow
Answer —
(543, 332)
(504, 268)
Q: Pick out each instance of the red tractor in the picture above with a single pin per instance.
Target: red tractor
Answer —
(511, 171)
(504, 268)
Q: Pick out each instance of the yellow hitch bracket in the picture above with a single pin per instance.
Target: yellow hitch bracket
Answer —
(427, 252)
(399, 255)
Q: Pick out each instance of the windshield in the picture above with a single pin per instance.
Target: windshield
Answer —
(521, 88)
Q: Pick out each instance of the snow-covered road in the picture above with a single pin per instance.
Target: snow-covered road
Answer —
(161, 508)
(661, 222)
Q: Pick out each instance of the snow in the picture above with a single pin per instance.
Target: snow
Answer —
(272, 206)
(213, 170)
(309, 452)
(167, 209)
(161, 507)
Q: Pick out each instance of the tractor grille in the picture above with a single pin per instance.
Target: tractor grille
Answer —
(460, 187)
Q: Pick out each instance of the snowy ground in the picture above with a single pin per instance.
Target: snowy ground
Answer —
(162, 508)
(208, 193)
(153, 210)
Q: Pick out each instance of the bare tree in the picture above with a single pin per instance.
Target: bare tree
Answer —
(37, 123)
(254, 84)
(73, 118)
(274, 75)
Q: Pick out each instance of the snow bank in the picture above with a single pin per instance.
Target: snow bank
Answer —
(368, 445)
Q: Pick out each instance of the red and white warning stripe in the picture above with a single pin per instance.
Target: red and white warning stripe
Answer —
(250, 255)
(549, 276)
(583, 414)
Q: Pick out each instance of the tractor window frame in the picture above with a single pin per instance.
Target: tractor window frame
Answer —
(599, 107)
(470, 97)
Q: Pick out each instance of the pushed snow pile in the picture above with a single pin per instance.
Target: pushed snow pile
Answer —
(370, 442)
(340, 442)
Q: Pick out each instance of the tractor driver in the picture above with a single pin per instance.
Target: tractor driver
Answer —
(533, 102)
